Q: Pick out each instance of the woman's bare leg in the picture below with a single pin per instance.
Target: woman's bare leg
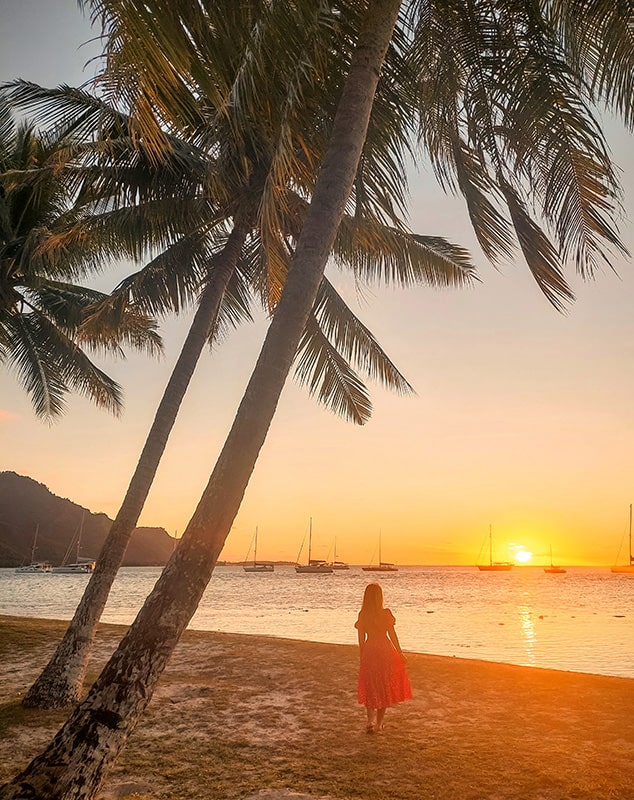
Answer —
(371, 712)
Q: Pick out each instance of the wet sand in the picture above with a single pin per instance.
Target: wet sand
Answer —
(257, 717)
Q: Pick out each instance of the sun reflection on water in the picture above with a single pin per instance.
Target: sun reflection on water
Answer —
(529, 636)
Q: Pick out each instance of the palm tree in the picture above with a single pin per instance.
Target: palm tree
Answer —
(483, 157)
(324, 367)
(46, 322)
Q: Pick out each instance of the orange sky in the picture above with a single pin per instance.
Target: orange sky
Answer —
(523, 417)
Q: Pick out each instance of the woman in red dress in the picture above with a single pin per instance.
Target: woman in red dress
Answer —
(383, 680)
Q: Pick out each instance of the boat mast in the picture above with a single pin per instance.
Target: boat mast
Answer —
(490, 546)
(310, 539)
(33, 549)
(631, 556)
(255, 546)
(79, 532)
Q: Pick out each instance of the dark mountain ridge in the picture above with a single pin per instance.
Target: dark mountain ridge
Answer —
(26, 505)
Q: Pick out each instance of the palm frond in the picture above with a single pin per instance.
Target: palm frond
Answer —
(235, 308)
(559, 148)
(159, 65)
(354, 341)
(49, 366)
(85, 316)
(7, 134)
(542, 258)
(598, 38)
(330, 378)
(377, 252)
(92, 242)
(501, 104)
(169, 282)
(66, 110)
(109, 333)
(35, 371)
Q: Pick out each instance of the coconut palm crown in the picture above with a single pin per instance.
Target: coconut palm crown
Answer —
(46, 319)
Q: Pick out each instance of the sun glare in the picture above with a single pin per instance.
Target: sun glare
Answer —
(523, 556)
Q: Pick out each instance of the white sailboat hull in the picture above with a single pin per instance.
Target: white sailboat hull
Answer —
(75, 569)
(313, 569)
(261, 568)
(35, 568)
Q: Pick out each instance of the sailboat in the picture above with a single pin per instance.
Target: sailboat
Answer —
(626, 568)
(315, 566)
(81, 566)
(258, 566)
(382, 566)
(338, 564)
(35, 566)
(494, 566)
(553, 568)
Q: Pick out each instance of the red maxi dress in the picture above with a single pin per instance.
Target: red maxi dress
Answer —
(383, 680)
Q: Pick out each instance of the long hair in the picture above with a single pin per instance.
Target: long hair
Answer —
(372, 604)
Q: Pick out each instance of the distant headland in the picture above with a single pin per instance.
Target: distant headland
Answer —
(26, 505)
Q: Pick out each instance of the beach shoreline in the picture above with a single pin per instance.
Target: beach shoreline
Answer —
(238, 716)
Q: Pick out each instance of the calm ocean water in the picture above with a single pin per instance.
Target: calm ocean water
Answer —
(580, 621)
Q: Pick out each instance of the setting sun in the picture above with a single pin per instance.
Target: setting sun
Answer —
(523, 556)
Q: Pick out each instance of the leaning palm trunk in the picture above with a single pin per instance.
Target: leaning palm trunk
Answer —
(61, 681)
(76, 761)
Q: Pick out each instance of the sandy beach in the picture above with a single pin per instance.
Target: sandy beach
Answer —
(256, 717)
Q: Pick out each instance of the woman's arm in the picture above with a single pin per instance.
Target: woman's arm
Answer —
(360, 634)
(394, 639)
